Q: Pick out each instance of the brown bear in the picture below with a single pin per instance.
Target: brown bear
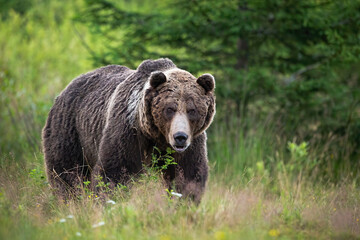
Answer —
(107, 122)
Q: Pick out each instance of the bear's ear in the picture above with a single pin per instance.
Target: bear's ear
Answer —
(157, 78)
(207, 81)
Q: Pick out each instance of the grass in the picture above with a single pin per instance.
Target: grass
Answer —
(260, 187)
(228, 211)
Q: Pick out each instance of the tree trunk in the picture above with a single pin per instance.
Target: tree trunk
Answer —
(242, 55)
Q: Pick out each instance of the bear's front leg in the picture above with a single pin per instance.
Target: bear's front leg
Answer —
(192, 170)
(119, 158)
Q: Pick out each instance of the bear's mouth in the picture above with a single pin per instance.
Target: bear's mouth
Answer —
(180, 148)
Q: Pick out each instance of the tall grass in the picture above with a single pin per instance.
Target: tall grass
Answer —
(262, 186)
(228, 211)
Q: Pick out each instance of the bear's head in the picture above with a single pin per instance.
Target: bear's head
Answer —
(177, 106)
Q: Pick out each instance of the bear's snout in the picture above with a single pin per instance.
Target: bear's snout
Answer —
(179, 135)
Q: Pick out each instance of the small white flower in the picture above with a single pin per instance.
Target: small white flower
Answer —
(176, 194)
(78, 234)
(111, 202)
(98, 224)
(62, 220)
(70, 216)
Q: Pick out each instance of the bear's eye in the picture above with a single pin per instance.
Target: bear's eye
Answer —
(191, 111)
(170, 111)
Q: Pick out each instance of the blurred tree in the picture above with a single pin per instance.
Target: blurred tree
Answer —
(295, 60)
(19, 6)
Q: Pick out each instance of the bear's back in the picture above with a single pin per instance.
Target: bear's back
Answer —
(98, 80)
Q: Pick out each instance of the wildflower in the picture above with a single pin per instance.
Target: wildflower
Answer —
(62, 220)
(78, 234)
(176, 194)
(70, 216)
(274, 233)
(219, 235)
(111, 202)
(98, 224)
(334, 209)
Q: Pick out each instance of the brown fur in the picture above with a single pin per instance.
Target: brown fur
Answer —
(106, 123)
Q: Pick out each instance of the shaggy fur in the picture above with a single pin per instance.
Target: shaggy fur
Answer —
(106, 123)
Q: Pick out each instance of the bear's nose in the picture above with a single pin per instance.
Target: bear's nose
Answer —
(180, 138)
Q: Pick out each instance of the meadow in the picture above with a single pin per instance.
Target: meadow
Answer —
(261, 186)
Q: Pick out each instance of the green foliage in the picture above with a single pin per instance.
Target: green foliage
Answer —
(86, 188)
(161, 161)
(37, 176)
(298, 152)
(101, 184)
(39, 54)
(20, 6)
(299, 161)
